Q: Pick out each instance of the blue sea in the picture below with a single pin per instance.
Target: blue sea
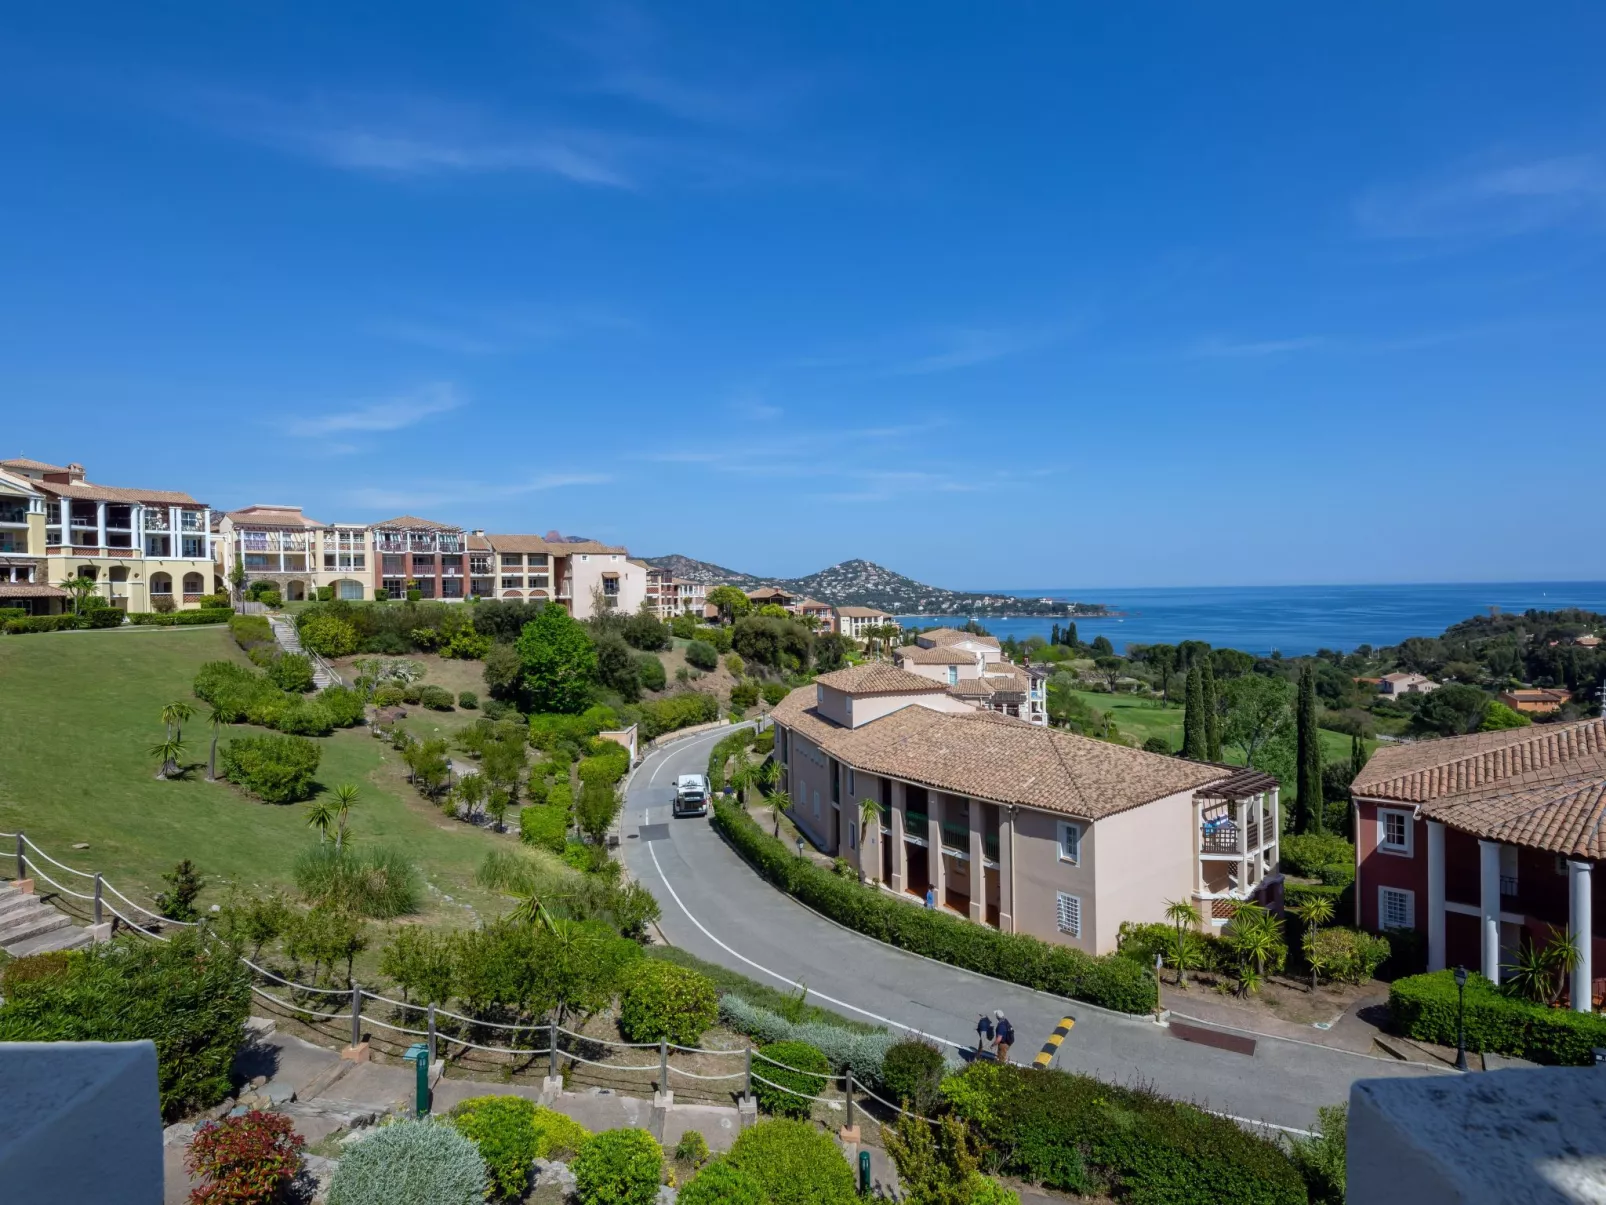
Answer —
(1293, 620)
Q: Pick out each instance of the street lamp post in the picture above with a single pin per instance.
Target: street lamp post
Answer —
(800, 847)
(1461, 1018)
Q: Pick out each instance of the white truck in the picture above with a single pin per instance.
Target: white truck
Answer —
(691, 795)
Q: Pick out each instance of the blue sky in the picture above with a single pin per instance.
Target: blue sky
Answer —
(997, 295)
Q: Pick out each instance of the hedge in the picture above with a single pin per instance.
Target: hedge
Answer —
(678, 711)
(665, 1002)
(794, 1164)
(250, 630)
(42, 623)
(1109, 981)
(618, 1167)
(544, 826)
(722, 752)
(795, 1071)
(1423, 1007)
(277, 769)
(1080, 1134)
(190, 998)
(179, 619)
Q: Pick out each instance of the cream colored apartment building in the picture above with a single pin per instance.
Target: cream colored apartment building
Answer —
(1019, 827)
(142, 548)
(581, 575)
(298, 554)
(973, 668)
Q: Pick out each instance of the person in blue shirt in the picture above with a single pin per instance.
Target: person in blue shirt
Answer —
(931, 897)
(1005, 1036)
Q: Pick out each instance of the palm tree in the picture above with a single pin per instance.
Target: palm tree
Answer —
(1316, 911)
(768, 775)
(173, 717)
(215, 718)
(1184, 916)
(321, 816)
(743, 777)
(345, 796)
(1252, 934)
(167, 754)
(780, 802)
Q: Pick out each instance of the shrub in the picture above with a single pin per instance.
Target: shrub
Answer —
(368, 880)
(189, 998)
(544, 826)
(389, 695)
(163, 603)
(721, 1183)
(276, 769)
(300, 717)
(1109, 980)
(644, 632)
(1304, 854)
(1423, 1007)
(744, 694)
(436, 698)
(31, 967)
(467, 645)
(247, 1160)
(857, 1050)
(702, 655)
(412, 1162)
(1055, 1128)
(103, 617)
(511, 1133)
(794, 1164)
(650, 671)
(343, 705)
(1321, 1158)
(774, 692)
(413, 692)
(1346, 955)
(617, 1167)
(249, 630)
(735, 665)
(912, 1071)
(795, 1070)
(692, 1148)
(679, 710)
(468, 700)
(664, 1001)
(12, 613)
(328, 635)
(184, 883)
(42, 623)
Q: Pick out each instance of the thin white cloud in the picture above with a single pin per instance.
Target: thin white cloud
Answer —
(408, 136)
(970, 347)
(1229, 349)
(491, 331)
(388, 414)
(425, 494)
(1489, 199)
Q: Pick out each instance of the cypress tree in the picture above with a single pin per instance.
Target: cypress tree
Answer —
(1195, 737)
(1212, 710)
(1308, 804)
(1070, 635)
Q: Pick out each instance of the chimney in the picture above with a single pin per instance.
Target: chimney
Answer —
(75, 472)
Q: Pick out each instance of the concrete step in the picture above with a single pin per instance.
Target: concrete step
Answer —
(19, 930)
(16, 901)
(70, 938)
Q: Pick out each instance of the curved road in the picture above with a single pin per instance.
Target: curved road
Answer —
(718, 909)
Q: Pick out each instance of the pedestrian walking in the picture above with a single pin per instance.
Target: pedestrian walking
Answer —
(931, 897)
(984, 1032)
(1004, 1035)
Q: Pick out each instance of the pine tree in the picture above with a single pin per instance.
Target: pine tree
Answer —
(1212, 710)
(1195, 734)
(1308, 754)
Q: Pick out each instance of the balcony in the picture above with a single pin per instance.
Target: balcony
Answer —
(1508, 884)
(1221, 837)
(14, 514)
(156, 520)
(956, 837)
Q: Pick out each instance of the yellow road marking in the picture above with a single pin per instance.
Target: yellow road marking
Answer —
(1045, 1056)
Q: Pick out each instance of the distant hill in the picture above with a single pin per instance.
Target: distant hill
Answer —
(860, 583)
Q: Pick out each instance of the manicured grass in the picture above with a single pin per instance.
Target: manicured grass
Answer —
(1140, 718)
(79, 712)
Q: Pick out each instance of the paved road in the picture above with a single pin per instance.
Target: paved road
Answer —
(717, 908)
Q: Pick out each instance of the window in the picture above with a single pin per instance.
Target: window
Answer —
(512, 583)
(479, 565)
(1394, 831)
(1070, 914)
(158, 545)
(853, 830)
(1071, 843)
(510, 559)
(953, 675)
(852, 788)
(194, 547)
(816, 805)
(351, 591)
(1396, 908)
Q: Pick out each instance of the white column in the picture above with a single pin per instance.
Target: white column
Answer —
(978, 871)
(934, 863)
(1198, 842)
(100, 524)
(870, 846)
(1578, 920)
(1435, 895)
(1489, 883)
(1242, 815)
(900, 854)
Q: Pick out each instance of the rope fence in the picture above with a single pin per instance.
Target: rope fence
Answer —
(151, 928)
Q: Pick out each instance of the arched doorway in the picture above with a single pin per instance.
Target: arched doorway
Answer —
(348, 589)
(161, 590)
(295, 591)
(194, 585)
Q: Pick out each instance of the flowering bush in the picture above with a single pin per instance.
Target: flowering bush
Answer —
(243, 1160)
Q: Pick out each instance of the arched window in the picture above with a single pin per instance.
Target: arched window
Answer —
(161, 583)
(194, 583)
(87, 571)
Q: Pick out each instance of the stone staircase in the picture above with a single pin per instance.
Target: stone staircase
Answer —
(28, 925)
(290, 641)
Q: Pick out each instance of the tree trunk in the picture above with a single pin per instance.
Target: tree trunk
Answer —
(211, 760)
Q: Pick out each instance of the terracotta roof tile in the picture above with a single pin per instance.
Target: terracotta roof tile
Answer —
(85, 491)
(272, 516)
(1427, 770)
(877, 677)
(943, 655)
(954, 635)
(414, 523)
(31, 590)
(36, 466)
(1565, 817)
(863, 612)
(984, 755)
(518, 543)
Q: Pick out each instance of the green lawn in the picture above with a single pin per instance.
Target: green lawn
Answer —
(1140, 718)
(79, 712)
